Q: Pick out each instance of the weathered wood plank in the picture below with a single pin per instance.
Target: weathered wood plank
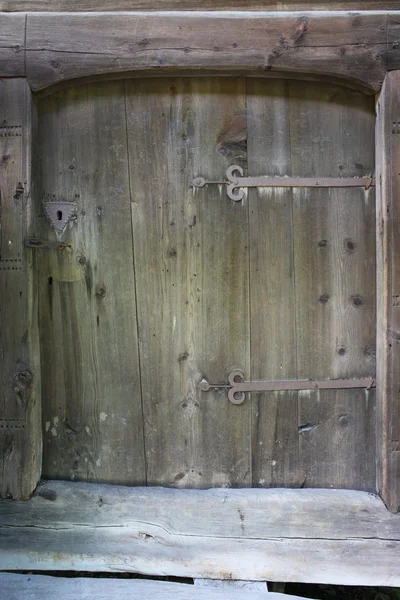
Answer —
(273, 323)
(393, 56)
(92, 412)
(388, 220)
(20, 402)
(12, 45)
(334, 257)
(259, 5)
(330, 536)
(192, 279)
(66, 46)
(35, 587)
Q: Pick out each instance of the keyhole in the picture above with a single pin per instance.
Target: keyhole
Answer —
(59, 215)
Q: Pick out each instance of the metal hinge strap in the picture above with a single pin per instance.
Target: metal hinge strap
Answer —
(236, 184)
(237, 387)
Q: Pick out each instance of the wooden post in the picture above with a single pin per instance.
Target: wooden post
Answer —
(20, 409)
(388, 290)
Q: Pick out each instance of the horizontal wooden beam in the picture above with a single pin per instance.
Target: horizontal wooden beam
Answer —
(259, 5)
(63, 46)
(325, 536)
(12, 45)
(37, 587)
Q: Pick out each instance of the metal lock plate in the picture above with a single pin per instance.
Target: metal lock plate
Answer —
(59, 214)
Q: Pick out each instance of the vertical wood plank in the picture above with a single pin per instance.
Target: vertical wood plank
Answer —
(92, 414)
(334, 250)
(272, 294)
(388, 308)
(20, 403)
(191, 256)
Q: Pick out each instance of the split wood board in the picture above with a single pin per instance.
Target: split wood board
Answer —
(321, 536)
(35, 587)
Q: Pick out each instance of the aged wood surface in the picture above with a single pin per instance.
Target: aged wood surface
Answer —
(66, 46)
(191, 259)
(12, 45)
(273, 326)
(393, 57)
(312, 284)
(92, 413)
(281, 535)
(198, 261)
(259, 5)
(20, 406)
(334, 270)
(35, 587)
(388, 219)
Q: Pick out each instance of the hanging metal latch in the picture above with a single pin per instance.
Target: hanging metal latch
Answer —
(235, 183)
(237, 387)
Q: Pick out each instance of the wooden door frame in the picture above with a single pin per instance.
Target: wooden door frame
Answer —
(359, 50)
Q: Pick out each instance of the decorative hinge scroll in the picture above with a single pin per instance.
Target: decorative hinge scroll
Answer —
(237, 387)
(235, 182)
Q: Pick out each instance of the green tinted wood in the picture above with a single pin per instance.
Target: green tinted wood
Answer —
(92, 415)
(191, 257)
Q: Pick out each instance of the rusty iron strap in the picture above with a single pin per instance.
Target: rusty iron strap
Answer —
(236, 184)
(237, 387)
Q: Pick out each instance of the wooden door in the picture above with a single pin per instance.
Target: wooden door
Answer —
(163, 284)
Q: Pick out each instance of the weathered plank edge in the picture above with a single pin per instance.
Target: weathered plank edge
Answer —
(195, 5)
(201, 533)
(387, 219)
(60, 46)
(17, 586)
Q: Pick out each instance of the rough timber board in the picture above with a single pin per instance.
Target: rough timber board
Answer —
(20, 406)
(388, 248)
(259, 5)
(87, 293)
(192, 282)
(35, 587)
(283, 535)
(77, 44)
(12, 43)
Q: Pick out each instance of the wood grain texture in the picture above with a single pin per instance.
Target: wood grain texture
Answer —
(18, 587)
(92, 414)
(20, 401)
(388, 218)
(259, 5)
(312, 285)
(326, 536)
(12, 45)
(393, 56)
(191, 257)
(66, 46)
(273, 323)
(334, 260)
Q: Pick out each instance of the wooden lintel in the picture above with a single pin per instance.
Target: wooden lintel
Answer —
(12, 45)
(304, 535)
(63, 46)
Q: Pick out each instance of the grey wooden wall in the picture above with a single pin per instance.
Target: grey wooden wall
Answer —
(164, 284)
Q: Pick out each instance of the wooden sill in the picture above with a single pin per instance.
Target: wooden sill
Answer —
(304, 535)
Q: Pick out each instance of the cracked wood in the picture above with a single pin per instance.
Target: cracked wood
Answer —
(278, 535)
(348, 46)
